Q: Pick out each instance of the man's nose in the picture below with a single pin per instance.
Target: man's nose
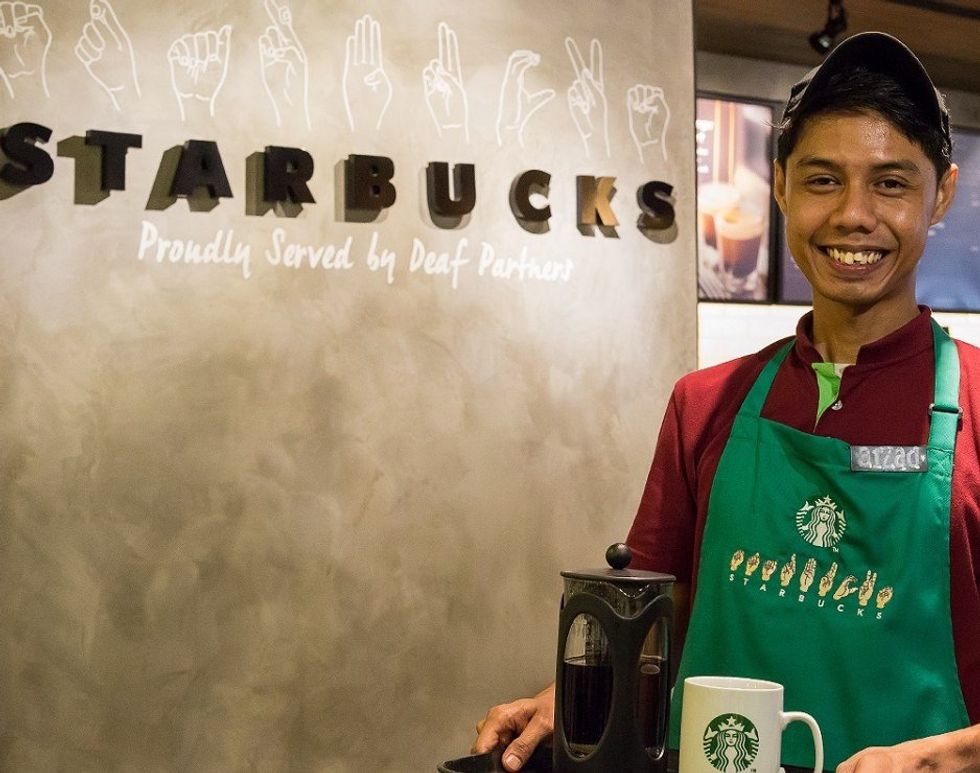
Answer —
(855, 210)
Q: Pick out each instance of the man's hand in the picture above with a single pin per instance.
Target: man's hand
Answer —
(883, 759)
(957, 751)
(520, 725)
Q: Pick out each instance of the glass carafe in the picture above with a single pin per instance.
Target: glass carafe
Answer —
(613, 669)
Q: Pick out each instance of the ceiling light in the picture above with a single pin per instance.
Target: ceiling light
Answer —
(836, 23)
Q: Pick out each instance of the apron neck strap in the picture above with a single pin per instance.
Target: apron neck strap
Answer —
(944, 413)
(756, 398)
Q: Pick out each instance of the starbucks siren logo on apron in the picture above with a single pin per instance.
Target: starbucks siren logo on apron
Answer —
(821, 524)
(731, 743)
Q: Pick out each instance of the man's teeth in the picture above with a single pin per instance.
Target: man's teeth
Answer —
(861, 258)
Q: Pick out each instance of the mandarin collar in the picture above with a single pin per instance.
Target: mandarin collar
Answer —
(909, 340)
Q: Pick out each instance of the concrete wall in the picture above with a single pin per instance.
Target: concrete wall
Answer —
(264, 516)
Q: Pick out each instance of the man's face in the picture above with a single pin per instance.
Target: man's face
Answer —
(859, 197)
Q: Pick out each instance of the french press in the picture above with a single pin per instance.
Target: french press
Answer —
(613, 669)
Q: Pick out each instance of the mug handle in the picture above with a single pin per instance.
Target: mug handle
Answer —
(785, 717)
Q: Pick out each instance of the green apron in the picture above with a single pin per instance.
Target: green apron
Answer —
(833, 582)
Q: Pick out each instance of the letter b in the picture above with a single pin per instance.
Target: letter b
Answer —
(368, 185)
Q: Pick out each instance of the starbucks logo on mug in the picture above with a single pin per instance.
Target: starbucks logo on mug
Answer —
(731, 743)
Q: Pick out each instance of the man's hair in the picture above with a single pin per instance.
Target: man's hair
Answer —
(860, 90)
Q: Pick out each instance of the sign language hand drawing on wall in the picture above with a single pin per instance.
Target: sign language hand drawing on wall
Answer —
(198, 67)
(285, 68)
(107, 52)
(367, 90)
(517, 104)
(24, 43)
(587, 97)
(443, 82)
(648, 117)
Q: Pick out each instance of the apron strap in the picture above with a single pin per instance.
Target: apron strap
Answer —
(945, 412)
(756, 398)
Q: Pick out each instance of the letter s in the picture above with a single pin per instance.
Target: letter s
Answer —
(654, 199)
(18, 145)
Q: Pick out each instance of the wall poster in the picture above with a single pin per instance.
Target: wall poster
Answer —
(734, 171)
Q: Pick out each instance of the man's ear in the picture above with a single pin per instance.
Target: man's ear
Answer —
(779, 184)
(945, 194)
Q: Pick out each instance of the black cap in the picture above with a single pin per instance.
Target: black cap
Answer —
(878, 52)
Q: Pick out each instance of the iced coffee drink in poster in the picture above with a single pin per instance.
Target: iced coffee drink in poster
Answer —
(739, 232)
(713, 198)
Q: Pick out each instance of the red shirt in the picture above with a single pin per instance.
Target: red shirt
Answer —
(884, 400)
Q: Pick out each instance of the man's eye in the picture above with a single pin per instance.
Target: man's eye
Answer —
(821, 181)
(891, 184)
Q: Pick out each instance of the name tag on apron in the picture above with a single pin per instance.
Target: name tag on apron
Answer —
(889, 459)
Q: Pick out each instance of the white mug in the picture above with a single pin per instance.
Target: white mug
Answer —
(733, 725)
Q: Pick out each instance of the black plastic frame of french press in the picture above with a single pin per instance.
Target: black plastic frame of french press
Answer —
(621, 746)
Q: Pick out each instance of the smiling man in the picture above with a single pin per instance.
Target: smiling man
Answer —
(860, 194)
(848, 456)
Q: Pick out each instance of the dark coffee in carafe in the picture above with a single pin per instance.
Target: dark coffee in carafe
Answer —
(613, 662)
